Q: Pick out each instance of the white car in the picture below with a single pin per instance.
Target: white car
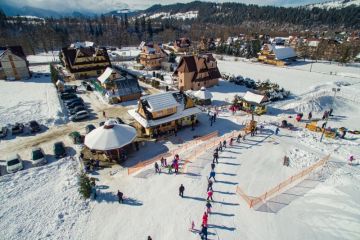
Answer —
(14, 164)
(38, 157)
(79, 115)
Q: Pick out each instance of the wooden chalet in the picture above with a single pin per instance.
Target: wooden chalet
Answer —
(152, 55)
(119, 86)
(182, 45)
(276, 55)
(164, 112)
(84, 60)
(13, 63)
(195, 72)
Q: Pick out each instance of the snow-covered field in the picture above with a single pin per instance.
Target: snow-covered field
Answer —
(43, 202)
(44, 57)
(31, 99)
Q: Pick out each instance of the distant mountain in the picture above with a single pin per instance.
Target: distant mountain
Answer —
(338, 4)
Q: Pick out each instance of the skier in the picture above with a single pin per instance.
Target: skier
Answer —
(220, 147)
(216, 150)
(231, 141)
(212, 175)
(210, 195)
(351, 159)
(277, 131)
(325, 115)
(157, 169)
(181, 190)
(330, 112)
(149, 238)
(310, 116)
(213, 166)
(176, 166)
(170, 168)
(203, 233)
(205, 219)
(104, 114)
(323, 125)
(210, 183)
(238, 138)
(208, 207)
(215, 116)
(224, 143)
(162, 162)
(216, 156)
(120, 196)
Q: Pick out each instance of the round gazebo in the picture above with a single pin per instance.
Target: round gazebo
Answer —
(203, 96)
(112, 140)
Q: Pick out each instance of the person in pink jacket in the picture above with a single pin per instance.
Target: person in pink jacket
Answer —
(210, 194)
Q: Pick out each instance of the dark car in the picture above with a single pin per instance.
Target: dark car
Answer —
(75, 104)
(76, 109)
(70, 89)
(17, 128)
(59, 150)
(34, 126)
(3, 132)
(73, 101)
(89, 128)
(68, 96)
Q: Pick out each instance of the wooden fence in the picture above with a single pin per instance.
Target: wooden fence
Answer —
(182, 148)
(253, 201)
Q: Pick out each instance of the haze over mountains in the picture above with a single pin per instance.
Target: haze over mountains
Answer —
(58, 8)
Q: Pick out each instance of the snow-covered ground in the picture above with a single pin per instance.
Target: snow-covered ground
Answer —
(324, 205)
(31, 99)
(44, 57)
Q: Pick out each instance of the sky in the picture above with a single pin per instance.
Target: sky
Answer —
(101, 6)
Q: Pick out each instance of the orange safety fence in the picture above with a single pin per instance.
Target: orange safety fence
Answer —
(186, 146)
(281, 186)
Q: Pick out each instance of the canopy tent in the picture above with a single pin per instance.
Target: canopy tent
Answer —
(106, 74)
(203, 94)
(110, 136)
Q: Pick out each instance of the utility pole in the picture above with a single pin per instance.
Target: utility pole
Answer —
(335, 90)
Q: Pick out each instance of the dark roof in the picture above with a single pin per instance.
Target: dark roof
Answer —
(182, 42)
(71, 53)
(189, 64)
(127, 86)
(17, 50)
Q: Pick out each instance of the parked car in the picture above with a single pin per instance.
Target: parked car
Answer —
(3, 132)
(70, 89)
(67, 96)
(75, 104)
(17, 128)
(74, 100)
(14, 164)
(76, 109)
(34, 126)
(79, 116)
(38, 157)
(89, 128)
(59, 150)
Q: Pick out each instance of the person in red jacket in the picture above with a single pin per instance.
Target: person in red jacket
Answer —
(210, 194)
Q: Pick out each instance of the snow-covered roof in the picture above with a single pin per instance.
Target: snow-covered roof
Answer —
(82, 44)
(110, 136)
(203, 94)
(151, 123)
(252, 97)
(106, 74)
(282, 52)
(160, 101)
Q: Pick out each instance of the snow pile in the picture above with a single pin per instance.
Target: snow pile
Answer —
(335, 4)
(177, 16)
(42, 203)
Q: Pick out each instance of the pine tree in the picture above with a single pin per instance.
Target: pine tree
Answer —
(137, 25)
(84, 185)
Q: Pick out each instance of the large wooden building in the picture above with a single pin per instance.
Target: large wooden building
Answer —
(164, 112)
(13, 63)
(152, 55)
(84, 60)
(195, 72)
(119, 86)
(276, 55)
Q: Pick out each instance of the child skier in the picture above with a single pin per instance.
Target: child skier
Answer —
(210, 183)
(120, 196)
(181, 190)
(208, 207)
(210, 195)
(212, 175)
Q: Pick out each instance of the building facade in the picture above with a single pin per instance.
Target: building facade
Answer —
(152, 56)
(195, 72)
(84, 60)
(13, 63)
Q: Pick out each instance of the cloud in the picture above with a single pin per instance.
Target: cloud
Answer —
(100, 6)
